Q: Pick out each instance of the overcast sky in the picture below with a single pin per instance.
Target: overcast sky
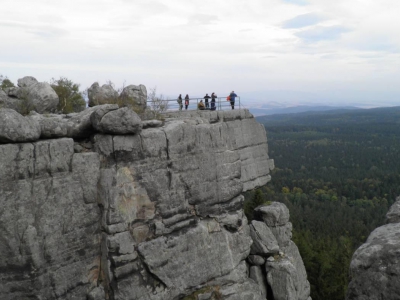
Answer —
(296, 50)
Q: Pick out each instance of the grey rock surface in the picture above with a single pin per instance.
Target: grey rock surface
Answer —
(42, 96)
(256, 260)
(283, 234)
(50, 236)
(17, 128)
(75, 125)
(375, 266)
(30, 95)
(393, 215)
(264, 242)
(303, 286)
(257, 275)
(8, 102)
(134, 95)
(27, 81)
(282, 278)
(275, 214)
(121, 121)
(105, 94)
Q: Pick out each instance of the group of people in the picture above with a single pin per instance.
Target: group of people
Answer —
(206, 104)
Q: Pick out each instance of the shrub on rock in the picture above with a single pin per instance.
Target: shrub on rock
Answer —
(70, 99)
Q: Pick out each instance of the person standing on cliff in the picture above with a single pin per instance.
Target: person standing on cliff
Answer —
(206, 97)
(180, 101)
(213, 97)
(232, 97)
(186, 101)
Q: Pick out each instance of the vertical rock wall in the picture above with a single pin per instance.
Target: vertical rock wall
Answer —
(49, 221)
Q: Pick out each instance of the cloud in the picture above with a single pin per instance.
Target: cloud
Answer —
(302, 21)
(321, 33)
(39, 30)
(202, 19)
(376, 44)
(297, 2)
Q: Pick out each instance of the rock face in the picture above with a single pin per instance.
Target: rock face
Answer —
(375, 266)
(148, 214)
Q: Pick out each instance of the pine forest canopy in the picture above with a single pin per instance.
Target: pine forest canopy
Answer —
(338, 172)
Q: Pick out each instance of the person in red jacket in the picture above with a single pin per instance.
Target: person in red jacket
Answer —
(186, 101)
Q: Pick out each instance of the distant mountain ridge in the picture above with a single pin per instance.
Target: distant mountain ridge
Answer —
(331, 117)
(297, 109)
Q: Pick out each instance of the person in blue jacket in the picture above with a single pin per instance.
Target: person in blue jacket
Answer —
(232, 97)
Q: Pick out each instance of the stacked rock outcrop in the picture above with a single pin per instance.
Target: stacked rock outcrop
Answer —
(30, 95)
(275, 261)
(100, 205)
(375, 266)
(131, 95)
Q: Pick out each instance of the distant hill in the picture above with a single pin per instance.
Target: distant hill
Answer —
(379, 115)
(296, 109)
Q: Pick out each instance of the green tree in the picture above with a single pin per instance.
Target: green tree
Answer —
(257, 199)
(5, 82)
(71, 99)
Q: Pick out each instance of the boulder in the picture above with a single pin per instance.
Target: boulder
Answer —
(134, 95)
(264, 242)
(105, 94)
(42, 97)
(121, 121)
(17, 128)
(27, 81)
(375, 266)
(275, 214)
(256, 260)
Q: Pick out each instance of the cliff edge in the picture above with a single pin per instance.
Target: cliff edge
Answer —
(100, 205)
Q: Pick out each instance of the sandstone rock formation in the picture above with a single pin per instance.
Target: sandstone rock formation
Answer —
(375, 266)
(134, 95)
(94, 212)
(101, 95)
(131, 96)
(30, 95)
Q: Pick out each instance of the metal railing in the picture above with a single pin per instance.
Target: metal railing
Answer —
(169, 105)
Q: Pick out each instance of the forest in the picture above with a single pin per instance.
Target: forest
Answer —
(338, 172)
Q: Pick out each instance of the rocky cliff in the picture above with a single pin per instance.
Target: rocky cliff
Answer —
(375, 266)
(101, 205)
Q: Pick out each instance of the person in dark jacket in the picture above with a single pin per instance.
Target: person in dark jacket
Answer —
(213, 97)
(232, 97)
(186, 101)
(206, 97)
(180, 101)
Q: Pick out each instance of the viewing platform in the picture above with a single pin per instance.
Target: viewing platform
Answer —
(172, 105)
